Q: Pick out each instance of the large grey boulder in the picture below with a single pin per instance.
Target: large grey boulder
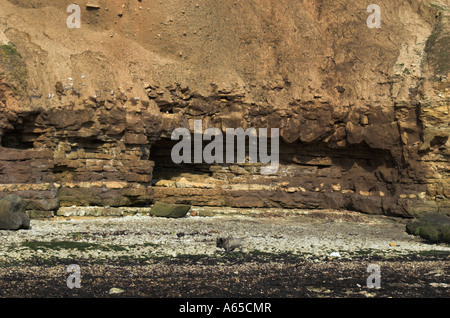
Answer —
(166, 210)
(12, 213)
(432, 227)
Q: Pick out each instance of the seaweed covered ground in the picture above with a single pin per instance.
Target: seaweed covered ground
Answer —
(261, 276)
(314, 254)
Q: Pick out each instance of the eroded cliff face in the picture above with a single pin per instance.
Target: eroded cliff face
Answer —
(86, 114)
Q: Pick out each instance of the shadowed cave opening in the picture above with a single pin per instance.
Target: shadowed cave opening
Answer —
(22, 136)
(166, 169)
(356, 167)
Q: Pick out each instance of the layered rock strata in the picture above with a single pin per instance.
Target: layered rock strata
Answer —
(86, 114)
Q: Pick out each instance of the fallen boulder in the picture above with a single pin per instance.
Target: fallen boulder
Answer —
(12, 213)
(161, 209)
(433, 227)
